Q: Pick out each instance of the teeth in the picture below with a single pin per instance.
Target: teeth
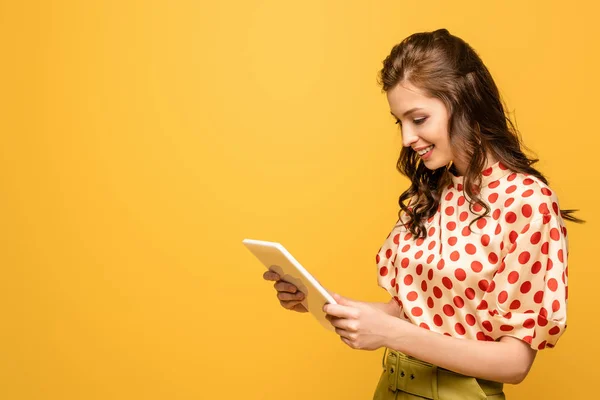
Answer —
(424, 151)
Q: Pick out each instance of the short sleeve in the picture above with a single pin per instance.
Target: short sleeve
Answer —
(527, 297)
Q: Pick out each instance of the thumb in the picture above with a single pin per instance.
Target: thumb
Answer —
(342, 300)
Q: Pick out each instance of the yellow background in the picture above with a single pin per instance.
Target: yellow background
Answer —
(143, 140)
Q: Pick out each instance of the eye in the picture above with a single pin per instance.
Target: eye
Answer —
(398, 122)
(419, 121)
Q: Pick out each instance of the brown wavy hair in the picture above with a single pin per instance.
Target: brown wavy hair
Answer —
(446, 67)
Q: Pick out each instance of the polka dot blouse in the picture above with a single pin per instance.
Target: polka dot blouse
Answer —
(504, 276)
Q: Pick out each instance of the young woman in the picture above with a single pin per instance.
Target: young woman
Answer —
(476, 265)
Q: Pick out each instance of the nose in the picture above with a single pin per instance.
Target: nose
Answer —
(408, 137)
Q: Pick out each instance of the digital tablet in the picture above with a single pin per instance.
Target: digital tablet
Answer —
(276, 258)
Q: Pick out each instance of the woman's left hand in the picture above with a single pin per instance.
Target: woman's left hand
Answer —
(360, 325)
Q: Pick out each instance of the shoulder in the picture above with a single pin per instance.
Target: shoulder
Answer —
(525, 195)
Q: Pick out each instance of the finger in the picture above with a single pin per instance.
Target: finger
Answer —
(283, 286)
(348, 325)
(299, 307)
(271, 276)
(290, 296)
(289, 304)
(338, 310)
(344, 333)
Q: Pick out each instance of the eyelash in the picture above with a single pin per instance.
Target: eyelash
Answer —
(419, 121)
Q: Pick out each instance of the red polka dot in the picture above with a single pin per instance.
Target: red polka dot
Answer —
(493, 197)
(513, 277)
(555, 305)
(460, 274)
(412, 296)
(529, 323)
(494, 184)
(476, 266)
(440, 264)
(424, 325)
(404, 263)
(511, 189)
(487, 325)
(408, 280)
(448, 310)
(430, 302)
(547, 191)
(466, 231)
(498, 229)
(437, 292)
(483, 284)
(419, 254)
(393, 282)
(377, 259)
(501, 268)
(559, 255)
(430, 258)
(483, 305)
(449, 196)
(431, 245)
(524, 257)
(459, 328)
(451, 225)
(470, 293)
(463, 216)
(502, 296)
(525, 287)
(538, 297)
(515, 305)
(512, 177)
(461, 200)
(383, 271)
(542, 345)
(554, 331)
(555, 208)
(535, 238)
(526, 210)
(544, 208)
(527, 193)
(470, 319)
(481, 223)
(496, 214)
(420, 241)
(459, 187)
(430, 274)
(481, 336)
(447, 282)
(470, 249)
(509, 201)
(437, 320)
(452, 240)
(458, 301)
(554, 234)
(406, 248)
(536, 267)
(545, 247)
(477, 207)
(510, 217)
(527, 181)
(424, 286)
(485, 240)
(506, 328)
(493, 258)
(388, 253)
(552, 284)
(454, 256)
(487, 171)
(449, 210)
(417, 311)
(512, 236)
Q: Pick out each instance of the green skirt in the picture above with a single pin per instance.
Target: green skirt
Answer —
(405, 377)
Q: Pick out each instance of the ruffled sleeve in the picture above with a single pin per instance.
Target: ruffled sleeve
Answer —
(527, 297)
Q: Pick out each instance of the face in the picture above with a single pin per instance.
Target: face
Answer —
(424, 124)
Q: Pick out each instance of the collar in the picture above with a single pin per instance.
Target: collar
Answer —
(488, 175)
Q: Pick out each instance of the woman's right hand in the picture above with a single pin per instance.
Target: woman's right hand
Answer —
(289, 296)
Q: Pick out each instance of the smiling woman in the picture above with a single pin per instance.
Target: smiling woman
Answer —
(476, 264)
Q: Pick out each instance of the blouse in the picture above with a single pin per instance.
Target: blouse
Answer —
(505, 275)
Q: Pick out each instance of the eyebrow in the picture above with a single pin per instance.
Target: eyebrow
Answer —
(407, 112)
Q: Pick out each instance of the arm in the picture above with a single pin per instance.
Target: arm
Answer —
(507, 360)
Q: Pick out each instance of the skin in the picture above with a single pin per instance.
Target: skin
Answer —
(370, 326)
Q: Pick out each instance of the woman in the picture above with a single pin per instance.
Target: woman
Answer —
(476, 264)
